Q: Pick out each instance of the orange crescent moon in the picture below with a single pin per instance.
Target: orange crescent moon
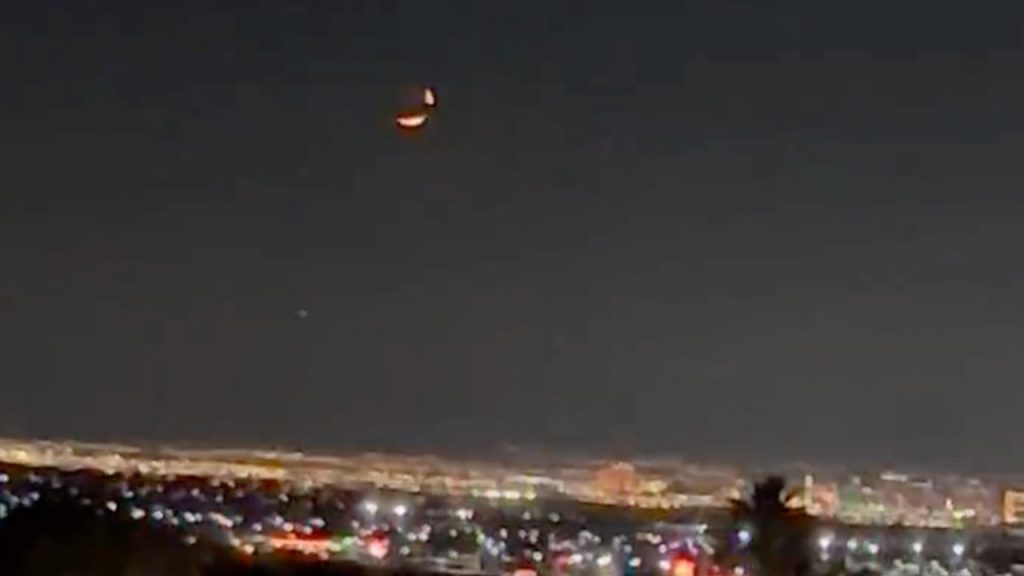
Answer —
(412, 120)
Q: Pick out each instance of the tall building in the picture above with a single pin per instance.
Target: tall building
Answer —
(1013, 507)
(618, 481)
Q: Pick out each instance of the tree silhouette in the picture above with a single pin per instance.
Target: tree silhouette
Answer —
(770, 531)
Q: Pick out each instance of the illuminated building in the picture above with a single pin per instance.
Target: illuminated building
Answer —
(1013, 507)
(822, 500)
(617, 481)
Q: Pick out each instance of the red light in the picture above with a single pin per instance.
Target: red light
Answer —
(378, 548)
(683, 567)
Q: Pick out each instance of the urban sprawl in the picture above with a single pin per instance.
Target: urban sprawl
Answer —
(882, 497)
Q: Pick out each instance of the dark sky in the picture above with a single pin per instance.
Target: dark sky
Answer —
(721, 229)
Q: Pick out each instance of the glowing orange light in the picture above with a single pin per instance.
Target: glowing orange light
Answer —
(683, 567)
(311, 546)
(411, 120)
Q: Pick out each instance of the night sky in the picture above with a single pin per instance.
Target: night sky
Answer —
(726, 230)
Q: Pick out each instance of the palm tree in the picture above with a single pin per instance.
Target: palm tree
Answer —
(771, 531)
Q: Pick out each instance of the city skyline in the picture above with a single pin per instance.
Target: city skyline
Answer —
(537, 455)
(868, 498)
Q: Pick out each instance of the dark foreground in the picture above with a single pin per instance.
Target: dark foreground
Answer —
(59, 537)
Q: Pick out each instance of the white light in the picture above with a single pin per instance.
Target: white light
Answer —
(635, 562)
(743, 536)
(664, 565)
(575, 558)
(138, 514)
(538, 556)
(604, 560)
(872, 548)
(112, 506)
(918, 547)
(400, 510)
(852, 544)
(371, 507)
(959, 548)
(825, 542)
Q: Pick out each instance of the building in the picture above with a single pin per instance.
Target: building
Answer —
(616, 482)
(1013, 507)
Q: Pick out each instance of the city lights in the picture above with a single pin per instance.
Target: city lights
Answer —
(490, 522)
